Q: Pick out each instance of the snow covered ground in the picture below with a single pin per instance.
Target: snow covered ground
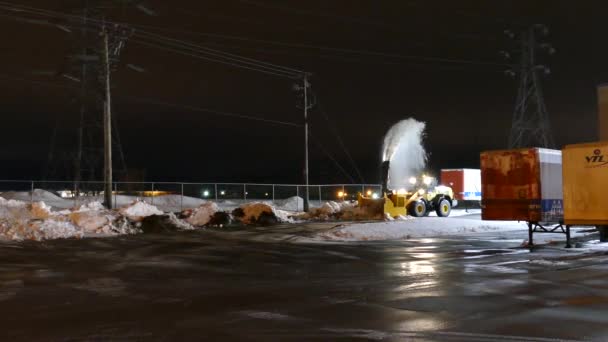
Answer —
(416, 228)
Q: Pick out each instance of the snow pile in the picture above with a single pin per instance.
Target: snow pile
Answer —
(388, 217)
(137, 210)
(340, 211)
(93, 218)
(294, 203)
(202, 215)
(180, 224)
(40, 210)
(261, 213)
(407, 227)
(23, 221)
(38, 229)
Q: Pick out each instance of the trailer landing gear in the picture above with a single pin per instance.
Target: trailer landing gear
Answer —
(537, 227)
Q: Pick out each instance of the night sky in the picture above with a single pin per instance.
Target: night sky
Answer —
(373, 64)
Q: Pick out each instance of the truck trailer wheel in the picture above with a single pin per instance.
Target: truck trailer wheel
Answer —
(418, 208)
(443, 208)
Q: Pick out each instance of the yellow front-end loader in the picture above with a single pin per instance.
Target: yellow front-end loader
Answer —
(418, 202)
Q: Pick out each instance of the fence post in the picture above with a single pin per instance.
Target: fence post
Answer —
(215, 186)
(152, 193)
(320, 199)
(32, 193)
(272, 192)
(181, 198)
(343, 193)
(297, 198)
(245, 192)
(115, 195)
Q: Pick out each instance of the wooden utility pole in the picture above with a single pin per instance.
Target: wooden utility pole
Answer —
(306, 198)
(107, 123)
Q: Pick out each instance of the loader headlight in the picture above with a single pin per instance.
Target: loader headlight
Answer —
(374, 195)
(427, 180)
(421, 191)
(341, 194)
(369, 193)
(413, 180)
(401, 192)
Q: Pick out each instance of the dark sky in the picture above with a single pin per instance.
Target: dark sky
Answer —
(373, 64)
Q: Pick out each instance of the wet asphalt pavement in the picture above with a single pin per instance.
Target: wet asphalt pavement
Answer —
(262, 285)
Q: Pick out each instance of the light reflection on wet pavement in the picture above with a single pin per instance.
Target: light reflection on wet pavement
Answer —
(260, 284)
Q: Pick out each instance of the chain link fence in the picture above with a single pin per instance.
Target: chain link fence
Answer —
(173, 196)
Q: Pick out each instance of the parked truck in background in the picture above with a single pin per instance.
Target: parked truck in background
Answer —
(466, 184)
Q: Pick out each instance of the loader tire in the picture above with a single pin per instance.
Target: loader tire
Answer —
(418, 208)
(444, 208)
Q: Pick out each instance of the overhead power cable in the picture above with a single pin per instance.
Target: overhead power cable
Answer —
(218, 52)
(37, 11)
(156, 102)
(339, 138)
(195, 55)
(338, 165)
(174, 45)
(353, 20)
(210, 111)
(332, 49)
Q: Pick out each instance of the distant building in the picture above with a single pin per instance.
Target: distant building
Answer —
(602, 111)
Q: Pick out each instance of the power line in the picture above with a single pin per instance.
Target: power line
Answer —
(186, 53)
(340, 141)
(358, 20)
(43, 12)
(320, 146)
(235, 60)
(210, 111)
(160, 103)
(220, 53)
(341, 50)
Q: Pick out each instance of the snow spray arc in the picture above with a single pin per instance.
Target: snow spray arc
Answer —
(403, 148)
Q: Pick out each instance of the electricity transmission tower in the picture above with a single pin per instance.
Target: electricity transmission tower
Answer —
(96, 50)
(530, 125)
(100, 49)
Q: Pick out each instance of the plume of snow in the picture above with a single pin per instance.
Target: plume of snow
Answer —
(403, 148)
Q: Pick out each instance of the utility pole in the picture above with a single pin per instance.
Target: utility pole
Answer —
(107, 123)
(306, 197)
(83, 92)
(530, 126)
(308, 103)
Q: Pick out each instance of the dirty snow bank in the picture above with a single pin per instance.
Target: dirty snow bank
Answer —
(137, 210)
(348, 211)
(262, 213)
(23, 221)
(202, 215)
(407, 228)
